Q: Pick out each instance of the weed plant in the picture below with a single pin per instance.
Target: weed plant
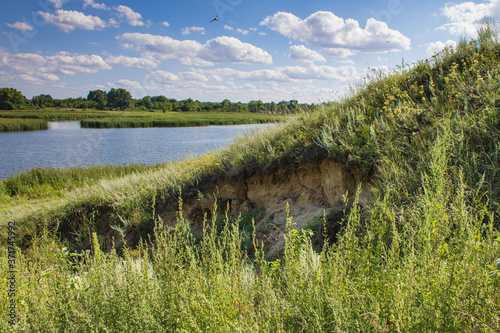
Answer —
(422, 255)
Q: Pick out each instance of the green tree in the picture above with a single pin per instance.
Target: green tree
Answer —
(255, 106)
(226, 105)
(146, 102)
(43, 101)
(120, 98)
(161, 103)
(99, 97)
(11, 99)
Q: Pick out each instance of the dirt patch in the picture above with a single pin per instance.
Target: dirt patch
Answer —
(309, 191)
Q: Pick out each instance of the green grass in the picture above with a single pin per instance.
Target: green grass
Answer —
(421, 256)
(57, 114)
(17, 125)
(25, 120)
(180, 119)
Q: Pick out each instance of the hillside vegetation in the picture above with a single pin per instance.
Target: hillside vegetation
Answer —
(421, 254)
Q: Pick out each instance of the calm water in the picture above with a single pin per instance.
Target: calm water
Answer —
(66, 144)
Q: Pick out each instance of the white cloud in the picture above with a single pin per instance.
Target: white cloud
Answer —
(238, 30)
(166, 24)
(94, 5)
(438, 46)
(57, 3)
(255, 75)
(301, 53)
(165, 48)
(194, 76)
(129, 84)
(313, 72)
(49, 68)
(338, 52)
(126, 13)
(68, 20)
(330, 31)
(190, 52)
(70, 64)
(285, 74)
(22, 26)
(49, 77)
(465, 17)
(189, 30)
(266, 85)
(230, 49)
(162, 77)
(131, 62)
(113, 23)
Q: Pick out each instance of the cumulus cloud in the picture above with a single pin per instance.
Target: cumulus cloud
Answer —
(230, 49)
(464, 18)
(49, 77)
(49, 68)
(189, 30)
(68, 20)
(165, 48)
(190, 52)
(166, 24)
(162, 77)
(131, 62)
(338, 52)
(94, 5)
(327, 30)
(255, 75)
(127, 14)
(238, 30)
(314, 72)
(57, 3)
(128, 84)
(285, 74)
(301, 53)
(438, 46)
(70, 64)
(22, 26)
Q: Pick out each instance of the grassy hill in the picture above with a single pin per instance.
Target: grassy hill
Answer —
(419, 252)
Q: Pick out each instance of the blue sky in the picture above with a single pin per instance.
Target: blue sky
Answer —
(270, 50)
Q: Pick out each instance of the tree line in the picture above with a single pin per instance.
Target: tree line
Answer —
(121, 99)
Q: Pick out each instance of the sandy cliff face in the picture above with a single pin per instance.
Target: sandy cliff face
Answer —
(310, 191)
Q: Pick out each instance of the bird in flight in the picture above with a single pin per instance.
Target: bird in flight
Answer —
(216, 18)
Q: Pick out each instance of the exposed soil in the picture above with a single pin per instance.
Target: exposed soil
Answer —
(310, 191)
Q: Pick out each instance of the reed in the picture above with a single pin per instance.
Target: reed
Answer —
(18, 125)
(181, 119)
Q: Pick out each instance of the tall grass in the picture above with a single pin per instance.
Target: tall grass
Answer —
(422, 255)
(421, 281)
(181, 120)
(18, 125)
(46, 182)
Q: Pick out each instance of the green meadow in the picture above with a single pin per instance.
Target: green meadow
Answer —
(422, 255)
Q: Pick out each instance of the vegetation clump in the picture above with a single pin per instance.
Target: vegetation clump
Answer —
(421, 255)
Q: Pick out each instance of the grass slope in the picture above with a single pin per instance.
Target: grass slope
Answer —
(421, 256)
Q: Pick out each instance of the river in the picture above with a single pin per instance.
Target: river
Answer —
(66, 144)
